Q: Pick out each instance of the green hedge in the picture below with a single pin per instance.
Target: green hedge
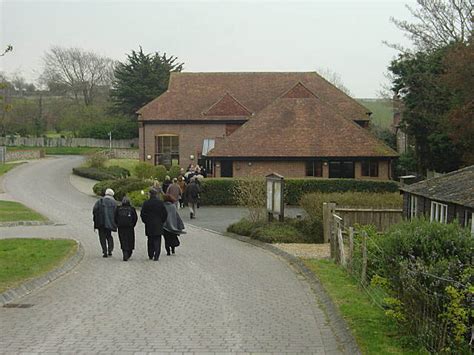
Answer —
(218, 191)
(100, 174)
(121, 187)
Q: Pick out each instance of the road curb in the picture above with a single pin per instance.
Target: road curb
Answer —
(26, 223)
(336, 321)
(36, 283)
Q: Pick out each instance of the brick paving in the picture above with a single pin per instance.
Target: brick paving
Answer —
(216, 295)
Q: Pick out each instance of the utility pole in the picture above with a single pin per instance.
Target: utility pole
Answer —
(110, 140)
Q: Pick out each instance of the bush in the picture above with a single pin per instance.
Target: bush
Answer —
(174, 171)
(121, 187)
(216, 191)
(427, 268)
(121, 128)
(144, 170)
(290, 231)
(118, 171)
(251, 193)
(137, 197)
(160, 173)
(96, 160)
(100, 174)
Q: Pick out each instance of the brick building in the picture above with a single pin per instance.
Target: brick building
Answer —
(241, 124)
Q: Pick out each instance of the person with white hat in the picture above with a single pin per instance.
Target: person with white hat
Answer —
(104, 213)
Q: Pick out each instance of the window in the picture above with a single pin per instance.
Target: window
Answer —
(341, 169)
(413, 206)
(439, 212)
(167, 150)
(314, 168)
(370, 168)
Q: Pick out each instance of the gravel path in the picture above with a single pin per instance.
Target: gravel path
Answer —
(216, 295)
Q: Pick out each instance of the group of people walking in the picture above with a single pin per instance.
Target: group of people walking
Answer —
(161, 218)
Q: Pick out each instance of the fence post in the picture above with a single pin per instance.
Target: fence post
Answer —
(328, 225)
(351, 248)
(363, 275)
(342, 254)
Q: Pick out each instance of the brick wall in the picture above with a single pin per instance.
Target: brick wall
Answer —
(191, 137)
(384, 171)
(262, 168)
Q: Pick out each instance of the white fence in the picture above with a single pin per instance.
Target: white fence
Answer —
(67, 142)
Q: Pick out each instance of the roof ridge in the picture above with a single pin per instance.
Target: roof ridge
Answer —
(233, 98)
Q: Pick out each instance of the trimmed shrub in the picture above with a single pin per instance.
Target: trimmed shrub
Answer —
(174, 171)
(94, 173)
(121, 187)
(218, 191)
(137, 197)
(118, 171)
(144, 170)
(160, 173)
(289, 231)
(100, 174)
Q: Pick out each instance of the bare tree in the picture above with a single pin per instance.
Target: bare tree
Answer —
(334, 78)
(77, 71)
(440, 22)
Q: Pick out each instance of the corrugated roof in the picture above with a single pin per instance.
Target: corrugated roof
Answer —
(455, 187)
(300, 127)
(189, 95)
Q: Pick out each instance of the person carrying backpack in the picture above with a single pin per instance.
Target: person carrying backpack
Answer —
(103, 213)
(126, 219)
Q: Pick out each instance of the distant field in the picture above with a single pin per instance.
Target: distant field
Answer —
(382, 111)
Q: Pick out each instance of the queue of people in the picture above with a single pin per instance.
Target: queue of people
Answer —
(161, 218)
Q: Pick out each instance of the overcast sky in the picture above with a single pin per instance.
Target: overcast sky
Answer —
(344, 36)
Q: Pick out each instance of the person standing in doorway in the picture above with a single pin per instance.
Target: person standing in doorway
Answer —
(103, 213)
(126, 219)
(153, 214)
(191, 195)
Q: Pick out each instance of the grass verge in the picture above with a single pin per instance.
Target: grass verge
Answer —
(4, 168)
(23, 259)
(374, 332)
(13, 212)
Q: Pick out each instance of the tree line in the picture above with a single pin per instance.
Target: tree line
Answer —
(84, 94)
(435, 82)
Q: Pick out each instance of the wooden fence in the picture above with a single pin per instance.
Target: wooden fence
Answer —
(381, 218)
(67, 142)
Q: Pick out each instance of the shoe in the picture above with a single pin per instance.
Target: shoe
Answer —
(125, 258)
(155, 259)
(150, 257)
(172, 250)
(110, 253)
(104, 255)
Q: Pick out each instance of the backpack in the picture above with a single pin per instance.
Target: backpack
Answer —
(125, 217)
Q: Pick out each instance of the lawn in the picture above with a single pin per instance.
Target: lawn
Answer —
(4, 168)
(22, 259)
(14, 211)
(382, 111)
(374, 332)
(128, 164)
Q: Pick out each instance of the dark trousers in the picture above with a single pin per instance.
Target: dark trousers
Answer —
(106, 240)
(154, 247)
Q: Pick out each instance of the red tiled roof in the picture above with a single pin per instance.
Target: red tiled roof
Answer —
(300, 127)
(189, 95)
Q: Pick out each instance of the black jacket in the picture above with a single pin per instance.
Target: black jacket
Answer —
(153, 214)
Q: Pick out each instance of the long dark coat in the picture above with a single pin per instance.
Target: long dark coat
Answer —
(153, 214)
(126, 226)
(173, 226)
(191, 193)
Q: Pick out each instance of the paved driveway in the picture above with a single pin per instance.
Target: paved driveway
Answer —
(215, 295)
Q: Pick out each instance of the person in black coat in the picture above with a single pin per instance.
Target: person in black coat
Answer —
(153, 214)
(103, 213)
(191, 195)
(126, 220)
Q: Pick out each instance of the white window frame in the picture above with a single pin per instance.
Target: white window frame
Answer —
(413, 206)
(439, 212)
